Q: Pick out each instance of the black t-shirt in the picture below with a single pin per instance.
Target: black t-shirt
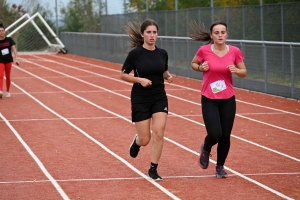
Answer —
(151, 65)
(5, 50)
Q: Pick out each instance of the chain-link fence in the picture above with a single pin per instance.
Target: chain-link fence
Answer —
(273, 67)
(273, 22)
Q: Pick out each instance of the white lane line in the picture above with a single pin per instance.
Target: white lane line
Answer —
(164, 190)
(22, 77)
(69, 118)
(180, 116)
(195, 103)
(235, 172)
(278, 127)
(242, 139)
(266, 148)
(125, 162)
(263, 113)
(61, 92)
(141, 178)
(188, 88)
(267, 107)
(36, 159)
(118, 80)
(110, 91)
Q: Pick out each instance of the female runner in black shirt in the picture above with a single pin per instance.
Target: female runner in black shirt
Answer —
(149, 103)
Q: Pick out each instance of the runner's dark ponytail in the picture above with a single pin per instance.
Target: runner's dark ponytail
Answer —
(199, 32)
(135, 29)
(135, 37)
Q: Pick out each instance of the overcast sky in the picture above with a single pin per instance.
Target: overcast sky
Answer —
(113, 6)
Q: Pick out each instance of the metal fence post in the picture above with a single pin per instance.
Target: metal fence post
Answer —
(262, 22)
(292, 71)
(174, 55)
(264, 61)
(166, 25)
(244, 29)
(212, 11)
(243, 49)
(187, 55)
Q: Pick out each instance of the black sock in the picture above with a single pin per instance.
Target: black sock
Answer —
(138, 146)
(153, 166)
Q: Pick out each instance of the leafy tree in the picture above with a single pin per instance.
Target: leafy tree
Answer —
(162, 5)
(34, 6)
(279, 1)
(9, 13)
(81, 16)
(26, 36)
(140, 5)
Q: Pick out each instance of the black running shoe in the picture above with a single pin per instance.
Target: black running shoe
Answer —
(204, 158)
(154, 175)
(220, 172)
(134, 148)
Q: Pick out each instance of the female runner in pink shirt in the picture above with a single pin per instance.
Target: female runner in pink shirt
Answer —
(217, 61)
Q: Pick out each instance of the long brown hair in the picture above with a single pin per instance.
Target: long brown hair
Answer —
(135, 29)
(199, 33)
(1, 25)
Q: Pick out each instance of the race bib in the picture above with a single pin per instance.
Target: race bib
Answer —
(218, 86)
(4, 51)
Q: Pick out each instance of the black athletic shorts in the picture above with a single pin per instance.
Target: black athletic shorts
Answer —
(140, 112)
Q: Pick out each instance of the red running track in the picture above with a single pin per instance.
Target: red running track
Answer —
(66, 130)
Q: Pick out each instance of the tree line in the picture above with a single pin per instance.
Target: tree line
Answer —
(155, 5)
(85, 15)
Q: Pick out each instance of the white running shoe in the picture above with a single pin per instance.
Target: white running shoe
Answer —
(1, 93)
(7, 94)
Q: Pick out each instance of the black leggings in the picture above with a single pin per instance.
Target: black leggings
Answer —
(218, 116)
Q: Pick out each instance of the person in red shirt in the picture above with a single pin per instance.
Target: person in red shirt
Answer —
(217, 61)
(7, 45)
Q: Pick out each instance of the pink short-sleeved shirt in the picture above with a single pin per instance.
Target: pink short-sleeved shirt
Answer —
(217, 81)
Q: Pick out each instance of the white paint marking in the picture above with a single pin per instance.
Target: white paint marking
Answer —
(237, 173)
(188, 88)
(164, 190)
(36, 159)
